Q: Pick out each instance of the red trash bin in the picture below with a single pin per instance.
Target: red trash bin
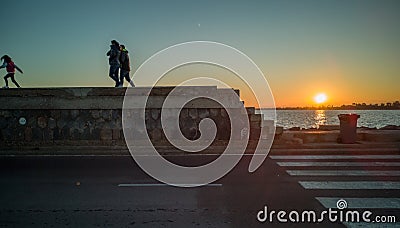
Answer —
(348, 128)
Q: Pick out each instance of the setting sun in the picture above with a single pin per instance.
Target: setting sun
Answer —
(320, 98)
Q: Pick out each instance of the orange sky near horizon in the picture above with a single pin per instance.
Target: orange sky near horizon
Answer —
(342, 84)
(298, 91)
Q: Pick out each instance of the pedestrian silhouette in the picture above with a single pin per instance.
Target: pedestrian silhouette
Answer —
(125, 67)
(113, 59)
(10, 67)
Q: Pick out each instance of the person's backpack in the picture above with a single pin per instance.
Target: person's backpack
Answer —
(10, 67)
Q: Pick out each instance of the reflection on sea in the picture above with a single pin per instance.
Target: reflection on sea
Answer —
(320, 118)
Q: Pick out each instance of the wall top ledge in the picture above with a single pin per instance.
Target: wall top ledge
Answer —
(100, 91)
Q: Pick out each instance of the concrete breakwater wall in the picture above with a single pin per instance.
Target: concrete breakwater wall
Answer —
(65, 116)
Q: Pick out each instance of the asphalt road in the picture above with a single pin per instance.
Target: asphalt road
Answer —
(112, 191)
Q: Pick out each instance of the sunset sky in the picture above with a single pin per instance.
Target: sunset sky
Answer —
(349, 50)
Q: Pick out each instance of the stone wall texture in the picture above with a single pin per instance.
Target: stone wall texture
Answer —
(49, 116)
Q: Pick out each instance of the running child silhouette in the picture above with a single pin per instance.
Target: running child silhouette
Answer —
(10, 67)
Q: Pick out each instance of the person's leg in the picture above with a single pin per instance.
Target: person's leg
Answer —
(112, 75)
(13, 80)
(129, 79)
(116, 75)
(121, 77)
(6, 79)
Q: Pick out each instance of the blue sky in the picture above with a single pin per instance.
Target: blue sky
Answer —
(347, 49)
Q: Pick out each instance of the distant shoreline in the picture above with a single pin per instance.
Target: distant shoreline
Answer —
(335, 108)
(355, 106)
(326, 109)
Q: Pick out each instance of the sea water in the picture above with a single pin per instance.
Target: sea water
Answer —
(314, 118)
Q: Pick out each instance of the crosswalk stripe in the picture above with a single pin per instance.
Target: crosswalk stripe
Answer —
(319, 160)
(342, 173)
(276, 157)
(367, 203)
(355, 185)
(338, 163)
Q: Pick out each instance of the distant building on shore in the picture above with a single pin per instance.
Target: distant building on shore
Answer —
(354, 106)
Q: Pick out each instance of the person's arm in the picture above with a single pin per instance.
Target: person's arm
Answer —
(111, 53)
(19, 69)
(4, 65)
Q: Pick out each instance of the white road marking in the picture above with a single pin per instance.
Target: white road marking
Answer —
(275, 157)
(367, 203)
(343, 173)
(160, 185)
(355, 185)
(338, 163)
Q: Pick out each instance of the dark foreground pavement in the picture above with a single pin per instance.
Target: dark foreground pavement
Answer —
(86, 191)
